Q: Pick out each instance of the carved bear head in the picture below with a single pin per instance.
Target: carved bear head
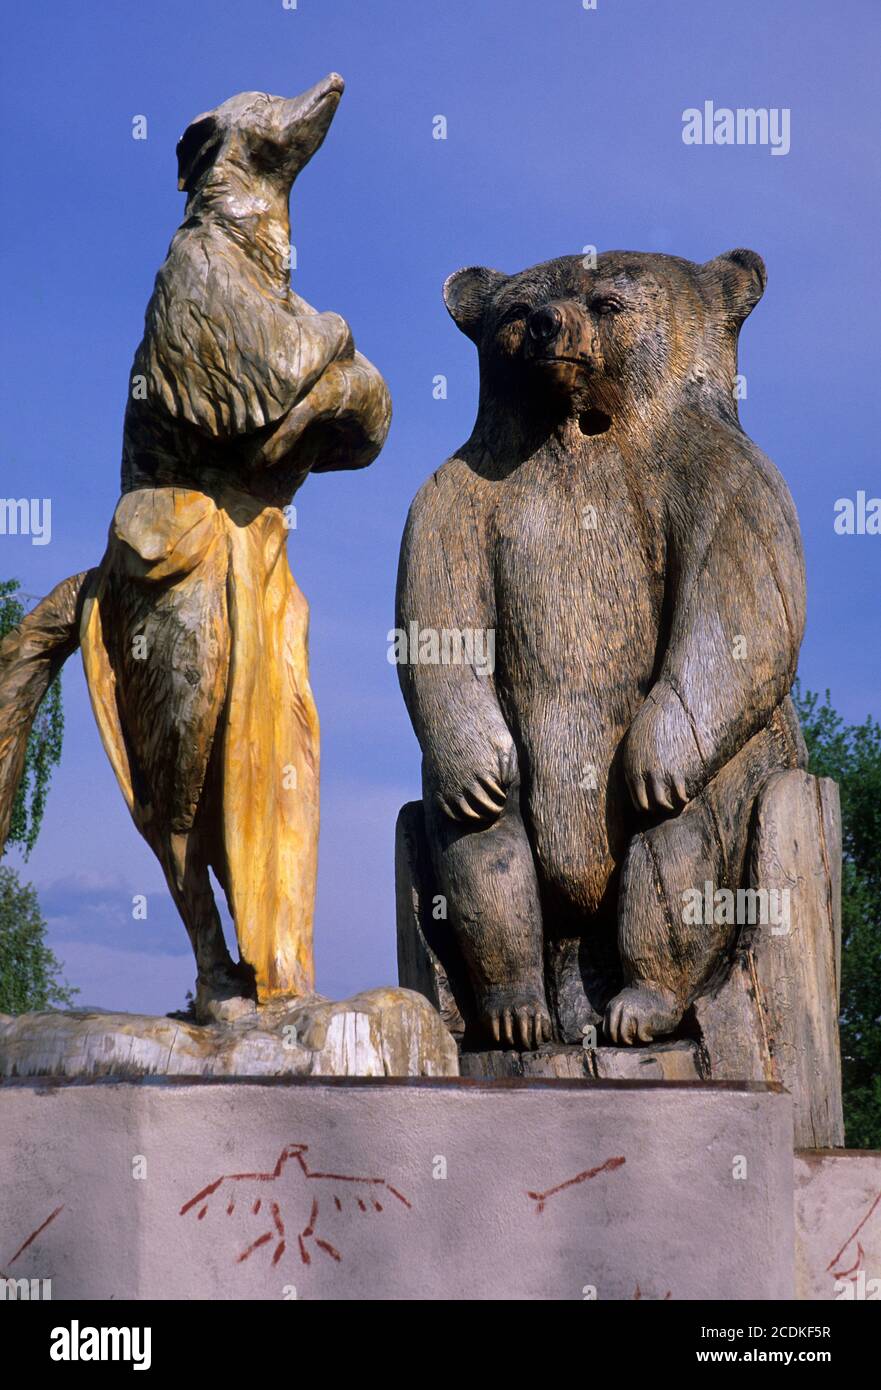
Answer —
(634, 332)
(256, 140)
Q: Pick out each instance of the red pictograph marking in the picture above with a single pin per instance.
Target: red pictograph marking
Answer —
(290, 1177)
(255, 1245)
(541, 1198)
(279, 1230)
(33, 1235)
(855, 1268)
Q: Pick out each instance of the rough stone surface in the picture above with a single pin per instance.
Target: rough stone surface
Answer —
(838, 1225)
(382, 1032)
(383, 1189)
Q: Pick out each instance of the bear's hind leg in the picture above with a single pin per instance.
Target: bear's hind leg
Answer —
(487, 876)
(673, 934)
(664, 957)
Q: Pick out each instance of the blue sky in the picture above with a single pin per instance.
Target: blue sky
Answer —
(564, 130)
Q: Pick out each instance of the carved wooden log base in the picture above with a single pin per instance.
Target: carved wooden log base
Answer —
(669, 1061)
(381, 1032)
(771, 1016)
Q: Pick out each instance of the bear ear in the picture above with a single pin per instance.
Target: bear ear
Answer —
(196, 150)
(466, 295)
(738, 279)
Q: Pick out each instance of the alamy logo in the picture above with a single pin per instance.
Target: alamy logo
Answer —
(446, 646)
(29, 1290)
(766, 907)
(860, 517)
(745, 125)
(27, 516)
(77, 1343)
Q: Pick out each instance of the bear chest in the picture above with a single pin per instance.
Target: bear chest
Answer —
(578, 571)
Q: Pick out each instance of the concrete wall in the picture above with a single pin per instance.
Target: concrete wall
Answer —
(179, 1190)
(838, 1224)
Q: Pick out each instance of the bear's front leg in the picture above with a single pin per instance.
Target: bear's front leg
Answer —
(674, 935)
(486, 873)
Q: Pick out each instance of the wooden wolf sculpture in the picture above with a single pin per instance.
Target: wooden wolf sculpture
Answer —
(600, 606)
(194, 634)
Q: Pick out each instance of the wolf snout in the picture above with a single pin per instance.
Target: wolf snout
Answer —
(334, 83)
(330, 86)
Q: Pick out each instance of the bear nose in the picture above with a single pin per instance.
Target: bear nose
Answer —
(544, 324)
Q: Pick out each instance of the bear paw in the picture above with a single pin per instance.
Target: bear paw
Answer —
(662, 762)
(472, 788)
(517, 1018)
(641, 1013)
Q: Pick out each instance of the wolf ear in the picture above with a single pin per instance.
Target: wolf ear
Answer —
(738, 280)
(466, 295)
(196, 150)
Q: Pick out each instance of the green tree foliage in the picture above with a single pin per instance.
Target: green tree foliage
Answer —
(852, 755)
(44, 744)
(28, 969)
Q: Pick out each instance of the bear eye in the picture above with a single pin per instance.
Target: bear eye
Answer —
(607, 304)
(516, 311)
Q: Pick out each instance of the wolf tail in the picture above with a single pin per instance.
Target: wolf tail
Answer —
(31, 655)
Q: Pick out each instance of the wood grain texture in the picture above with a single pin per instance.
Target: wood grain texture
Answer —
(31, 656)
(775, 1016)
(381, 1032)
(771, 1013)
(677, 1061)
(420, 935)
(637, 563)
(194, 633)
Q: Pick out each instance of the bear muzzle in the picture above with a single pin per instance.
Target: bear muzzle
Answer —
(560, 335)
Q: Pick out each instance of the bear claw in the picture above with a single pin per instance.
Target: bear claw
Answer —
(518, 1022)
(641, 1013)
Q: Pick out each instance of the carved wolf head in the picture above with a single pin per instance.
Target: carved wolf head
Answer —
(257, 139)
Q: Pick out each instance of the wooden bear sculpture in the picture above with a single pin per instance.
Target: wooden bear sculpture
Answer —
(601, 600)
(193, 632)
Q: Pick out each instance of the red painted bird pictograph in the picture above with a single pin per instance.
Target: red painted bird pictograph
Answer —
(291, 1198)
